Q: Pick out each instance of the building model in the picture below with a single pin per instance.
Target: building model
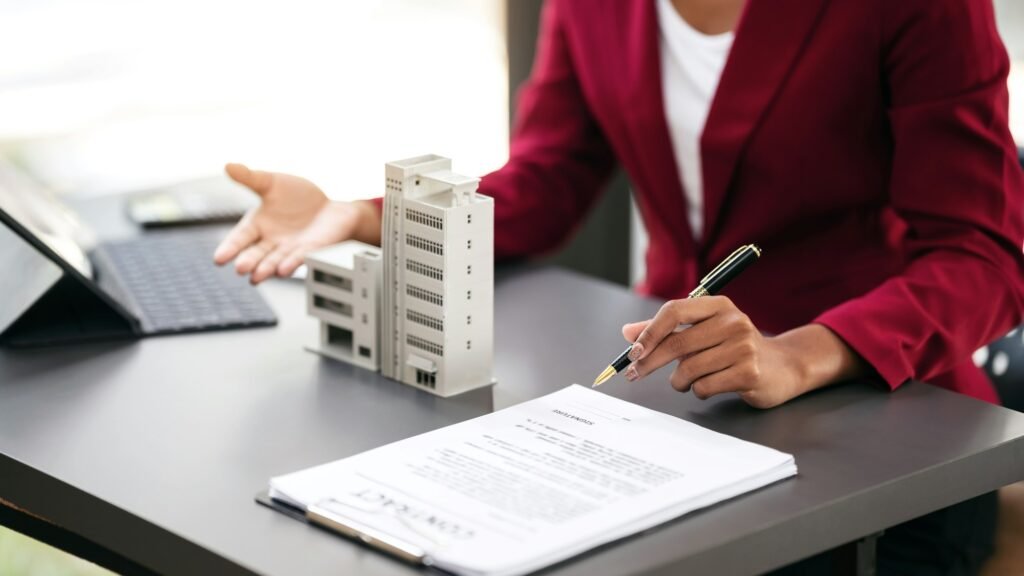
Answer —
(343, 292)
(421, 308)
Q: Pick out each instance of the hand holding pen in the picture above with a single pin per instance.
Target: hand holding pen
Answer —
(709, 285)
(722, 351)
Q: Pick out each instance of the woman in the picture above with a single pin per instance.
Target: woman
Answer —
(862, 143)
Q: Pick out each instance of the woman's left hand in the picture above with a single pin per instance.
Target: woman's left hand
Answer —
(722, 351)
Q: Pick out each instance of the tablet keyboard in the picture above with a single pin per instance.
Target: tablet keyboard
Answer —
(170, 281)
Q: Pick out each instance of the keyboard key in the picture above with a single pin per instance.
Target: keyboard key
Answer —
(171, 278)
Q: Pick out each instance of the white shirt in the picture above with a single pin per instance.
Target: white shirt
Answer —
(691, 65)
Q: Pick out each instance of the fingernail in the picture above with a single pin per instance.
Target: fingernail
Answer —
(636, 351)
(632, 374)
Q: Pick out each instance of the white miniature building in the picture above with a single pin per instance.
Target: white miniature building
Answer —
(437, 303)
(342, 291)
(434, 325)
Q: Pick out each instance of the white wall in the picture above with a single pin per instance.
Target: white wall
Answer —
(114, 94)
(1010, 18)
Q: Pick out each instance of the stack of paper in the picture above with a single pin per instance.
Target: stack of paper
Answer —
(526, 487)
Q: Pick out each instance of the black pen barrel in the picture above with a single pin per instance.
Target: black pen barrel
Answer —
(730, 270)
(622, 361)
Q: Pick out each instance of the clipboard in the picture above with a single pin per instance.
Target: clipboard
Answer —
(388, 499)
(336, 524)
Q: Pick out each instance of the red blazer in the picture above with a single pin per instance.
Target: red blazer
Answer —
(862, 143)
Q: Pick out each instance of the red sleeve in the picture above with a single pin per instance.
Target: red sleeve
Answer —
(956, 182)
(559, 159)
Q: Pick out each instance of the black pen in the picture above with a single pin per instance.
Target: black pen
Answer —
(711, 284)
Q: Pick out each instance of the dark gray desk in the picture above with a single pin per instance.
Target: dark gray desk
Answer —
(152, 451)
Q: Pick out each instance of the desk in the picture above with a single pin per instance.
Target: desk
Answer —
(147, 454)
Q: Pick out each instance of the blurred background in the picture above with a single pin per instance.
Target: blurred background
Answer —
(1010, 18)
(106, 96)
(110, 95)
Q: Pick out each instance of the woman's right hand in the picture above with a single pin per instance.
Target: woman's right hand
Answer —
(294, 217)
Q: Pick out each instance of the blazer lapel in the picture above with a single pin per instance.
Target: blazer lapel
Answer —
(651, 149)
(770, 37)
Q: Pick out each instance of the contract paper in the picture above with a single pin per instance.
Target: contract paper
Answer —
(523, 488)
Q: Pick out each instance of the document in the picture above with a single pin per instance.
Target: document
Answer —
(525, 487)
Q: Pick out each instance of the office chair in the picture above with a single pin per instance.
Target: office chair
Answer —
(1003, 360)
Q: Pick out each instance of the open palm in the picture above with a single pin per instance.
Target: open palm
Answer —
(294, 216)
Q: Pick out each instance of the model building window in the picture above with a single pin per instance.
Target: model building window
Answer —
(425, 320)
(333, 306)
(424, 244)
(425, 345)
(424, 269)
(426, 378)
(340, 337)
(425, 295)
(332, 280)
(423, 218)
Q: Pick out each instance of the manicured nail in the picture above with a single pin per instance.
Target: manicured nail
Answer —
(632, 374)
(636, 351)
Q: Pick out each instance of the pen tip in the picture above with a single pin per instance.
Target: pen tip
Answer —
(603, 377)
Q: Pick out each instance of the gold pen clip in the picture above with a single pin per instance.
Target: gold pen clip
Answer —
(735, 254)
